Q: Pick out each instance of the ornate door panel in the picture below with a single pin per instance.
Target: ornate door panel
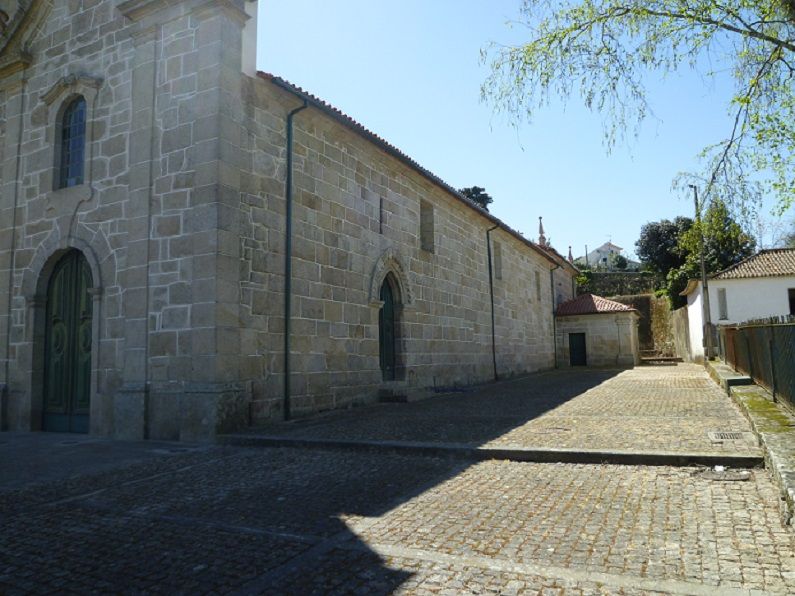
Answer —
(68, 337)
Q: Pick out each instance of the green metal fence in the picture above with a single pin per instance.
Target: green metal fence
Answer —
(765, 351)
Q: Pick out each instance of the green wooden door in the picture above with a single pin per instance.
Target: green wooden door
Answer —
(386, 332)
(67, 354)
(577, 355)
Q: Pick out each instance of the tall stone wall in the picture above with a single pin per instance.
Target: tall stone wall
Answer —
(617, 283)
(151, 217)
(74, 52)
(357, 216)
(565, 285)
(181, 218)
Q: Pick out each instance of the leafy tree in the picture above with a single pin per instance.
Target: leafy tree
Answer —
(618, 262)
(602, 50)
(725, 244)
(789, 238)
(585, 281)
(725, 241)
(676, 282)
(477, 195)
(658, 245)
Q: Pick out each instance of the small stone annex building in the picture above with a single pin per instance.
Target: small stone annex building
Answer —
(177, 231)
(594, 331)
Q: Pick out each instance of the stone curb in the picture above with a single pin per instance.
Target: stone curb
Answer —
(462, 451)
(773, 426)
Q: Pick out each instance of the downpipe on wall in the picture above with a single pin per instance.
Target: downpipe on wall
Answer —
(554, 320)
(288, 254)
(491, 296)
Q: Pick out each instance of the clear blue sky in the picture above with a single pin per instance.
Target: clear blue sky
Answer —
(410, 71)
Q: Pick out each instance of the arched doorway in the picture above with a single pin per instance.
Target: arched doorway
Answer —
(67, 347)
(387, 340)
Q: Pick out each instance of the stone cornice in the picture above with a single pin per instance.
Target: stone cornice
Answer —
(137, 10)
(14, 61)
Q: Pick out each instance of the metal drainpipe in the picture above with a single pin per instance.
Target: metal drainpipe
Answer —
(554, 321)
(491, 295)
(288, 254)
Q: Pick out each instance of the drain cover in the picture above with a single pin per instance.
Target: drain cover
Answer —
(726, 436)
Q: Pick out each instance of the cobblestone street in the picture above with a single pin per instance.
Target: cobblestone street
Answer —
(660, 408)
(174, 518)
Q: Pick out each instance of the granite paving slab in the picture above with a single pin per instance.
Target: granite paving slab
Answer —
(291, 521)
(670, 409)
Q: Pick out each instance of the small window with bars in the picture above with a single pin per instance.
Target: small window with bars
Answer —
(72, 144)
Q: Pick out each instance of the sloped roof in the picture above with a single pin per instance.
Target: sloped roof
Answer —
(590, 304)
(390, 149)
(774, 262)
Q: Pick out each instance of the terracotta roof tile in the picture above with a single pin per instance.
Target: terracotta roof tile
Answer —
(590, 304)
(774, 262)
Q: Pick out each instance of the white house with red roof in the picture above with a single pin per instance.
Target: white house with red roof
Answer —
(758, 287)
(594, 331)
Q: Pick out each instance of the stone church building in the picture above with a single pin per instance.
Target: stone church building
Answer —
(180, 235)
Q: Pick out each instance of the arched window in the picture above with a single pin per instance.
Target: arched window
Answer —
(73, 144)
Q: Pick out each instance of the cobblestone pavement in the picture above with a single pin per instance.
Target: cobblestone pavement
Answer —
(300, 521)
(647, 409)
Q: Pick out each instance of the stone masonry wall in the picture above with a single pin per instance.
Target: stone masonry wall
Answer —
(356, 218)
(565, 285)
(37, 223)
(611, 339)
(181, 219)
(152, 217)
(681, 334)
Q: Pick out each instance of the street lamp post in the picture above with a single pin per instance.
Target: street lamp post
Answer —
(707, 328)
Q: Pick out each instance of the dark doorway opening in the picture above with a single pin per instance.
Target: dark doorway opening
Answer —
(577, 355)
(67, 348)
(386, 331)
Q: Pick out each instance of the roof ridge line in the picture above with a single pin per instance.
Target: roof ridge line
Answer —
(398, 154)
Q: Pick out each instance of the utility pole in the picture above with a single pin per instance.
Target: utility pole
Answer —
(707, 328)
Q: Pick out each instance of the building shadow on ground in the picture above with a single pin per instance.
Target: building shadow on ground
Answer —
(471, 416)
(258, 520)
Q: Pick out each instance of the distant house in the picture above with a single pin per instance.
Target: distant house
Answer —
(603, 258)
(594, 331)
(758, 287)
